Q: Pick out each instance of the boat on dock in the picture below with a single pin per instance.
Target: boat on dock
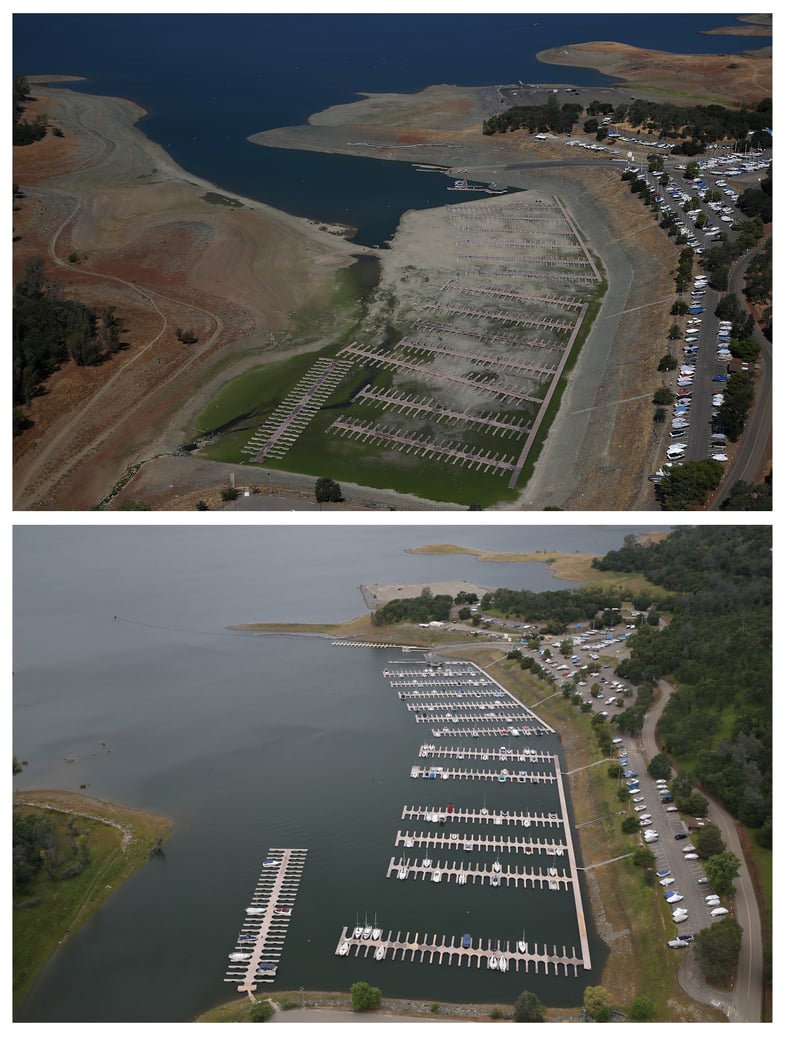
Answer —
(461, 879)
(493, 963)
(358, 932)
(366, 930)
(503, 964)
(522, 946)
(376, 931)
(343, 949)
(437, 876)
(380, 953)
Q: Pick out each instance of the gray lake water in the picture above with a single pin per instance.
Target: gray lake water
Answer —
(250, 742)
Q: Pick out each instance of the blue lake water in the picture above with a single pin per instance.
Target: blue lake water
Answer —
(209, 81)
(250, 742)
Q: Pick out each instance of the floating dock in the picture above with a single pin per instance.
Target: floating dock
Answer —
(259, 946)
(522, 776)
(494, 816)
(495, 876)
(501, 755)
(527, 846)
(478, 954)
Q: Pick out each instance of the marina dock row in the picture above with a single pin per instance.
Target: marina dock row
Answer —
(434, 683)
(485, 843)
(494, 816)
(478, 954)
(259, 946)
(495, 874)
(502, 755)
(522, 776)
(488, 731)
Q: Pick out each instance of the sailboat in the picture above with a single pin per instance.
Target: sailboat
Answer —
(343, 949)
(375, 931)
(493, 963)
(522, 946)
(380, 953)
(503, 964)
(402, 870)
(358, 928)
(366, 929)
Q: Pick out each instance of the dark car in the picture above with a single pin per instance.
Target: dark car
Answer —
(686, 938)
(680, 837)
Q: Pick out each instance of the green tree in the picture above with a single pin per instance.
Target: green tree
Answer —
(528, 1008)
(327, 490)
(631, 825)
(642, 1009)
(229, 494)
(717, 950)
(365, 997)
(17, 766)
(667, 362)
(709, 842)
(660, 767)
(722, 869)
(643, 857)
(261, 1011)
(597, 1003)
(663, 395)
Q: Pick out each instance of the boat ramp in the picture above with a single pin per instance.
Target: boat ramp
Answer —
(259, 947)
(466, 952)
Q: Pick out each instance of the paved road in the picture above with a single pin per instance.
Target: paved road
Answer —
(744, 1004)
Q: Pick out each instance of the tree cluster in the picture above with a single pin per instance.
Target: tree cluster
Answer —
(557, 609)
(48, 330)
(535, 118)
(688, 484)
(36, 847)
(699, 125)
(419, 610)
(717, 649)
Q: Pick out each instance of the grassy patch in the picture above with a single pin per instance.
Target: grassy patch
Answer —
(56, 909)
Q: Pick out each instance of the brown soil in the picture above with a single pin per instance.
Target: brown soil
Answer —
(742, 78)
(167, 251)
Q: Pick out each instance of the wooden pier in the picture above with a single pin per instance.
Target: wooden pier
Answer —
(261, 939)
(479, 954)
(491, 731)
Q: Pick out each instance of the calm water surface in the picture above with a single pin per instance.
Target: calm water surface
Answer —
(249, 742)
(210, 81)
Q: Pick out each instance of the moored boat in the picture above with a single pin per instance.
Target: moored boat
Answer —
(343, 949)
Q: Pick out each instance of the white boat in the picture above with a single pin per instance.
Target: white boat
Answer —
(503, 964)
(343, 949)
(358, 929)
(239, 957)
(408, 843)
(522, 945)
(496, 865)
(426, 863)
(435, 818)
(495, 880)
(493, 963)
(437, 876)
(552, 872)
(379, 953)
(375, 931)
(366, 930)
(402, 873)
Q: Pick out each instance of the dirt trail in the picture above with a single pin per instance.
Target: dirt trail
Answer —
(167, 251)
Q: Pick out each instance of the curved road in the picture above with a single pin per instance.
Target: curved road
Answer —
(744, 1003)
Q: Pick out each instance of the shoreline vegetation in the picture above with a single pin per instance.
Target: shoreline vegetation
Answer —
(118, 842)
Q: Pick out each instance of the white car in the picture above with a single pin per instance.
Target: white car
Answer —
(666, 881)
(677, 944)
(691, 855)
(689, 848)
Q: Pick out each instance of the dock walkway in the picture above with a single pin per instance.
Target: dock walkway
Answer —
(494, 816)
(478, 955)
(258, 950)
(496, 876)
(410, 839)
